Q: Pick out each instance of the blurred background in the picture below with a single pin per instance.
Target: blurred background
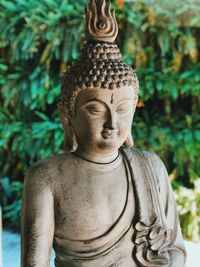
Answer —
(40, 39)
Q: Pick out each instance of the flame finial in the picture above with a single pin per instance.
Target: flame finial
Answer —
(101, 24)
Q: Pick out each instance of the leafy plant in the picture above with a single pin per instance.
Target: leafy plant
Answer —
(11, 201)
(188, 202)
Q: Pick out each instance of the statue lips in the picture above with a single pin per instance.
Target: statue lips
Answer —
(109, 134)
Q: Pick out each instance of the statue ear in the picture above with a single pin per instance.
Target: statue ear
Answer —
(70, 143)
(129, 141)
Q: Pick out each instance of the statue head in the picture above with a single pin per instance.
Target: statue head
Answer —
(100, 92)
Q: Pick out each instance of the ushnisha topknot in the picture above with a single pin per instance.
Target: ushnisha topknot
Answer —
(100, 64)
(100, 23)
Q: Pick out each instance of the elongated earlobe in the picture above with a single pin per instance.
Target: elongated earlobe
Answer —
(129, 141)
(70, 143)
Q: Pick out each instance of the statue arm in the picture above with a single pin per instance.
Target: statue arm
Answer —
(37, 223)
(177, 251)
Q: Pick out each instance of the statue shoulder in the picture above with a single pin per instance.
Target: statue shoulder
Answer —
(153, 161)
(151, 156)
(47, 171)
(38, 175)
(157, 165)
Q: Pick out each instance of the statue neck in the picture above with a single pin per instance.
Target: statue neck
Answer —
(103, 159)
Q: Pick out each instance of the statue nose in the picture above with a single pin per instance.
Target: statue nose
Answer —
(111, 122)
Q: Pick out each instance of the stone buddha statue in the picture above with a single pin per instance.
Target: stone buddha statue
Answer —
(102, 203)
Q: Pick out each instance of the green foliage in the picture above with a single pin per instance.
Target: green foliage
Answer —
(11, 201)
(188, 202)
(40, 39)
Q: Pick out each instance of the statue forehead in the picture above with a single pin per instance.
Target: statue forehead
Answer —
(105, 95)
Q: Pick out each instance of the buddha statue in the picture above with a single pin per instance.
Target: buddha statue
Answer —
(103, 203)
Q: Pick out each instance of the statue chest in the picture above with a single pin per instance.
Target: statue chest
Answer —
(90, 201)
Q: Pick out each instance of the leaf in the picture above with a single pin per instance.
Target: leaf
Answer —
(6, 186)
(174, 91)
(46, 53)
(41, 115)
(8, 5)
(3, 67)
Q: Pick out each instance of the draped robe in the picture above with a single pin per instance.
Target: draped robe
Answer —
(147, 233)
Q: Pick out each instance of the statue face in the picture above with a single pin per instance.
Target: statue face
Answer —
(102, 119)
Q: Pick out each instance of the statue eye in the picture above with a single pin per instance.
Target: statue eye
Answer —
(94, 110)
(124, 109)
